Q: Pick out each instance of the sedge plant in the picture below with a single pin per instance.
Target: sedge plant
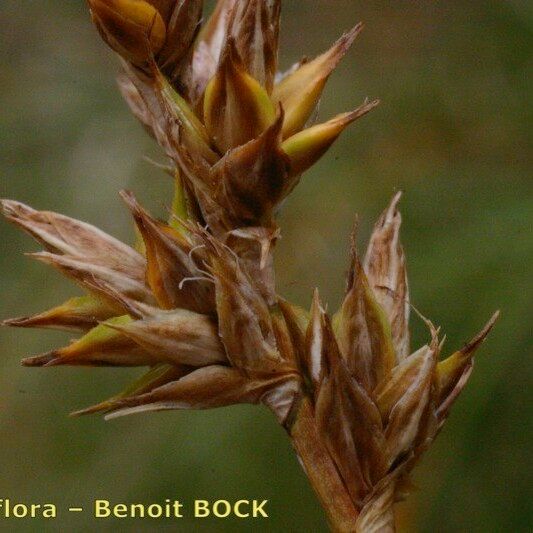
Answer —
(194, 300)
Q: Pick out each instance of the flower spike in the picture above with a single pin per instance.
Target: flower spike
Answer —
(195, 300)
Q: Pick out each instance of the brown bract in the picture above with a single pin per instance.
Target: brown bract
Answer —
(195, 299)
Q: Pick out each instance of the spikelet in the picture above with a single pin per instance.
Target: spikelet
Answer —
(196, 300)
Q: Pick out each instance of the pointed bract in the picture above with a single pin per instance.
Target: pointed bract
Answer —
(175, 107)
(451, 372)
(178, 337)
(157, 376)
(387, 274)
(209, 46)
(64, 235)
(86, 273)
(182, 18)
(254, 26)
(251, 179)
(349, 422)
(318, 344)
(102, 346)
(245, 324)
(305, 148)
(403, 420)
(172, 273)
(77, 314)
(205, 388)
(363, 331)
(299, 92)
(237, 108)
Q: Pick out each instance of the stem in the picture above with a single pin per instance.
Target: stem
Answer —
(322, 472)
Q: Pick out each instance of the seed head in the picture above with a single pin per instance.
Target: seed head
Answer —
(195, 299)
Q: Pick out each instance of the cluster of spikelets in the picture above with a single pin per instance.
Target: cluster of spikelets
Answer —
(195, 299)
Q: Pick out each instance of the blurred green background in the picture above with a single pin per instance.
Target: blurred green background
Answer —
(451, 133)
